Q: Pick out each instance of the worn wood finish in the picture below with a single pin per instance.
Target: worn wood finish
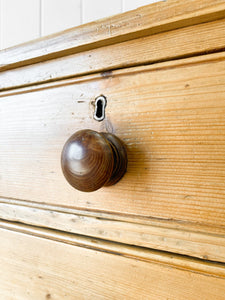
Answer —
(159, 232)
(158, 222)
(149, 255)
(29, 270)
(193, 241)
(167, 116)
(148, 20)
(188, 41)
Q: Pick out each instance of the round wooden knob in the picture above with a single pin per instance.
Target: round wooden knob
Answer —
(91, 160)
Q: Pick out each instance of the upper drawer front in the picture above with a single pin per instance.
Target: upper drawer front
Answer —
(171, 117)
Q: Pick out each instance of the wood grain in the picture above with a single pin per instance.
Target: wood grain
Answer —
(136, 219)
(184, 42)
(171, 117)
(167, 237)
(91, 160)
(147, 20)
(29, 270)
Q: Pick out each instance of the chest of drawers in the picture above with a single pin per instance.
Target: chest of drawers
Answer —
(159, 232)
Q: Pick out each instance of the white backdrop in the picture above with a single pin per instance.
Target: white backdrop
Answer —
(24, 20)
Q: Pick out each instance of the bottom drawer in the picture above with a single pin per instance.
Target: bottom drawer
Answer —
(40, 268)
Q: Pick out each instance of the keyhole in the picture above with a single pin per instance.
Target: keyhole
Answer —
(100, 104)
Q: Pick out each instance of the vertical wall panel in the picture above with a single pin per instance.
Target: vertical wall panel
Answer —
(96, 9)
(0, 24)
(20, 21)
(58, 15)
(132, 4)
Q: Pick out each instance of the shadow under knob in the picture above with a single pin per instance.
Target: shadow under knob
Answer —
(91, 160)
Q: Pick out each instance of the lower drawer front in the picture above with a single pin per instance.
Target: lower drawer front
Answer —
(39, 268)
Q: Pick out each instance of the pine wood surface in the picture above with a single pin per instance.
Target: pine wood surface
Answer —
(29, 270)
(188, 41)
(171, 117)
(172, 237)
(144, 21)
(60, 243)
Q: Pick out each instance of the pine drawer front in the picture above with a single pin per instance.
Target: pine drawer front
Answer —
(170, 116)
(42, 268)
(159, 232)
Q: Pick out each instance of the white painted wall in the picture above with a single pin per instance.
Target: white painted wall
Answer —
(24, 20)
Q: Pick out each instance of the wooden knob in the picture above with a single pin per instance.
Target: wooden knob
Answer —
(91, 160)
